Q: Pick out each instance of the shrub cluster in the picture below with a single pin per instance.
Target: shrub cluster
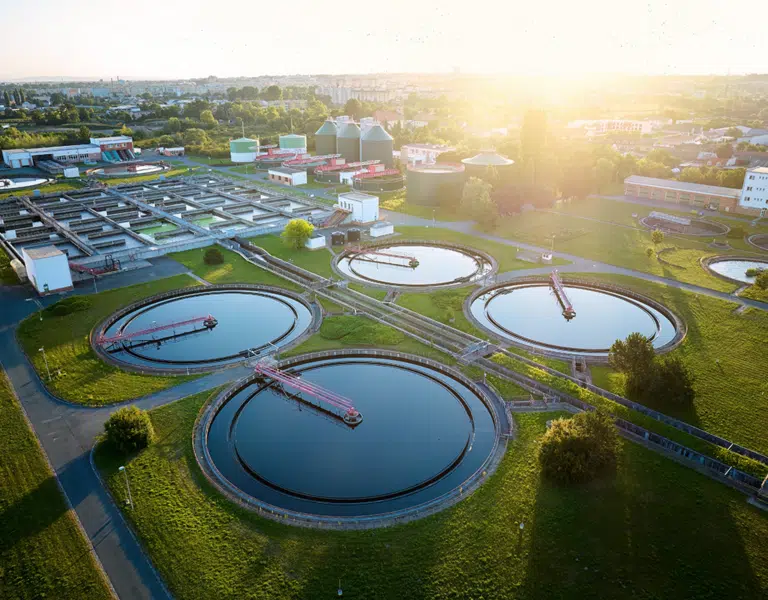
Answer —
(69, 305)
(213, 256)
(579, 449)
(129, 429)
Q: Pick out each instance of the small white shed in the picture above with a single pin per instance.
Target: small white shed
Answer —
(316, 242)
(382, 229)
(47, 269)
(364, 207)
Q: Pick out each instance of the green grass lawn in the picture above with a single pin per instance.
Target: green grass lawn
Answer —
(349, 331)
(43, 554)
(235, 269)
(446, 306)
(397, 202)
(211, 162)
(368, 291)
(7, 274)
(655, 530)
(505, 255)
(142, 178)
(621, 246)
(317, 261)
(78, 374)
(732, 394)
(752, 292)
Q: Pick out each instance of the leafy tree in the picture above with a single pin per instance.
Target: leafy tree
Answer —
(649, 252)
(6, 98)
(633, 357)
(174, 125)
(297, 232)
(195, 136)
(273, 93)
(724, 150)
(207, 118)
(658, 155)
(579, 449)
(213, 256)
(476, 202)
(84, 134)
(129, 429)
(672, 383)
(605, 171)
(250, 92)
(761, 280)
(734, 132)
(353, 108)
(533, 139)
(577, 179)
(657, 236)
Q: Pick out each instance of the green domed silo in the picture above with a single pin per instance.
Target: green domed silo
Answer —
(325, 139)
(294, 142)
(348, 142)
(435, 184)
(377, 144)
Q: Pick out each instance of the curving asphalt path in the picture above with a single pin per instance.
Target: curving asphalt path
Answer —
(67, 433)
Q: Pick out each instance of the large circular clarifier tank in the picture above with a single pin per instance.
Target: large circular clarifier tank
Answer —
(530, 314)
(425, 431)
(171, 332)
(415, 264)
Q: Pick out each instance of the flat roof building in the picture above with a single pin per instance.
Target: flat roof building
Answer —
(680, 192)
(47, 269)
(288, 176)
(364, 208)
(110, 149)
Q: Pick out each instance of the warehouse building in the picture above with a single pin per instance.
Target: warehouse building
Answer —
(680, 192)
(364, 208)
(109, 149)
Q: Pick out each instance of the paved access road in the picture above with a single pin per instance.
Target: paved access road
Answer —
(67, 433)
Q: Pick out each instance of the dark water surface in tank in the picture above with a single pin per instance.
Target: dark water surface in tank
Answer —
(247, 319)
(531, 313)
(423, 433)
(436, 266)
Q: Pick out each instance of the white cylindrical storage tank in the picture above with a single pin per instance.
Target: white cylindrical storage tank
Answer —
(243, 150)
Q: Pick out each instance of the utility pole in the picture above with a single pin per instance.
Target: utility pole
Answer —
(45, 358)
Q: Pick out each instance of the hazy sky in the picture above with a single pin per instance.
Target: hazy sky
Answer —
(192, 38)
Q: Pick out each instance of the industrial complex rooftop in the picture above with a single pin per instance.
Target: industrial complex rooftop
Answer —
(683, 186)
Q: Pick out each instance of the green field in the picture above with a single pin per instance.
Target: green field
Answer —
(655, 530)
(43, 553)
(625, 245)
(505, 255)
(235, 269)
(211, 162)
(64, 186)
(725, 352)
(78, 374)
(7, 274)
(755, 293)
(142, 178)
(446, 306)
(317, 261)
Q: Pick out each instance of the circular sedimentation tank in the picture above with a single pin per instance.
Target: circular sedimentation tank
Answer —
(9, 184)
(435, 185)
(414, 264)
(697, 227)
(129, 170)
(173, 332)
(759, 240)
(423, 434)
(531, 314)
(734, 268)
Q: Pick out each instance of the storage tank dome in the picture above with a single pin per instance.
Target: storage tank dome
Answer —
(348, 142)
(377, 144)
(243, 149)
(325, 138)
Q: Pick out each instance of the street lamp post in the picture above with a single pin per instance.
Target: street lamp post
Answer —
(129, 500)
(39, 305)
(45, 358)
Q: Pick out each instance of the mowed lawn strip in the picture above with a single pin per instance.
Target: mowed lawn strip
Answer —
(78, 374)
(317, 261)
(43, 553)
(657, 529)
(617, 245)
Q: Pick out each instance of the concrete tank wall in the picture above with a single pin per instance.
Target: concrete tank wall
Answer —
(434, 186)
(325, 144)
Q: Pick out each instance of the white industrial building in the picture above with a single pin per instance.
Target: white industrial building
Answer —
(47, 269)
(111, 149)
(288, 176)
(754, 194)
(364, 207)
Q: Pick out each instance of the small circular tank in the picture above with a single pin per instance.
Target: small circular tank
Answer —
(433, 185)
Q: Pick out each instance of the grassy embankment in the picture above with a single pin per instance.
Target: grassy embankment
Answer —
(725, 352)
(78, 374)
(623, 245)
(43, 553)
(656, 529)
(7, 274)
(63, 186)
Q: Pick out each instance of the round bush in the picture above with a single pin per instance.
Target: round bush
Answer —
(69, 305)
(579, 449)
(129, 429)
(213, 256)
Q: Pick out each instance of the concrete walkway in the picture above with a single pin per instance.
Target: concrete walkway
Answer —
(579, 263)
